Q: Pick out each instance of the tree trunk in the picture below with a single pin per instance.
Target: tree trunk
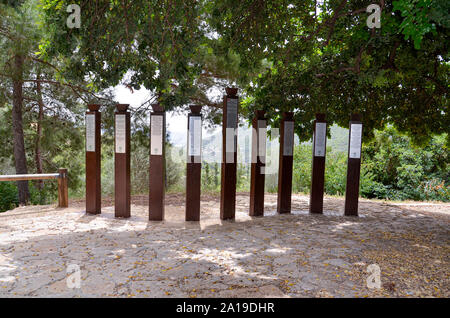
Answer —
(19, 143)
(37, 144)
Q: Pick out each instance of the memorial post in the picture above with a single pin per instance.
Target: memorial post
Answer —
(157, 163)
(257, 176)
(194, 164)
(93, 160)
(229, 155)
(318, 164)
(286, 163)
(122, 161)
(353, 166)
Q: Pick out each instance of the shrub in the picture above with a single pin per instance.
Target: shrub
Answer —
(8, 196)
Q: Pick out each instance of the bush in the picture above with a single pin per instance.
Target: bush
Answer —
(301, 178)
(392, 168)
(211, 177)
(435, 189)
(335, 172)
(400, 170)
(47, 195)
(8, 196)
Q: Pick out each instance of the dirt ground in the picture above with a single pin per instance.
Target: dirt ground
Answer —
(295, 255)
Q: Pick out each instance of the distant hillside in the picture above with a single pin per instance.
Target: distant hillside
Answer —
(339, 139)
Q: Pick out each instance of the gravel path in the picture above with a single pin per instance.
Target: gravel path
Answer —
(297, 255)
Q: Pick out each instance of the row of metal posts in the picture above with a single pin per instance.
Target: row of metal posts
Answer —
(229, 162)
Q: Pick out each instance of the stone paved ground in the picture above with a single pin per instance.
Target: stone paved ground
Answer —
(298, 255)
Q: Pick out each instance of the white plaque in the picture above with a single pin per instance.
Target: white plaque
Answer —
(231, 129)
(90, 132)
(120, 134)
(320, 138)
(355, 141)
(195, 136)
(288, 148)
(156, 137)
(232, 113)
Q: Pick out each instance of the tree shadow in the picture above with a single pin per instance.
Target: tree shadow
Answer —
(275, 255)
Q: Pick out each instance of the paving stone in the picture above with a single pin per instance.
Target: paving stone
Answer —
(298, 255)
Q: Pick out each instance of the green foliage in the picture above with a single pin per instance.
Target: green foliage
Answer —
(46, 195)
(243, 177)
(61, 143)
(399, 170)
(155, 41)
(139, 165)
(211, 174)
(422, 17)
(52, 108)
(305, 57)
(392, 168)
(335, 172)
(301, 178)
(175, 172)
(9, 196)
(210, 177)
(328, 61)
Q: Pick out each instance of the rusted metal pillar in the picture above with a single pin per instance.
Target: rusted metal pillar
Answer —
(157, 163)
(122, 184)
(286, 163)
(353, 166)
(229, 155)
(318, 164)
(194, 164)
(257, 175)
(93, 160)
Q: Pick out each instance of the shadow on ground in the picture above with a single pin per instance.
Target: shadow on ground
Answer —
(297, 255)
